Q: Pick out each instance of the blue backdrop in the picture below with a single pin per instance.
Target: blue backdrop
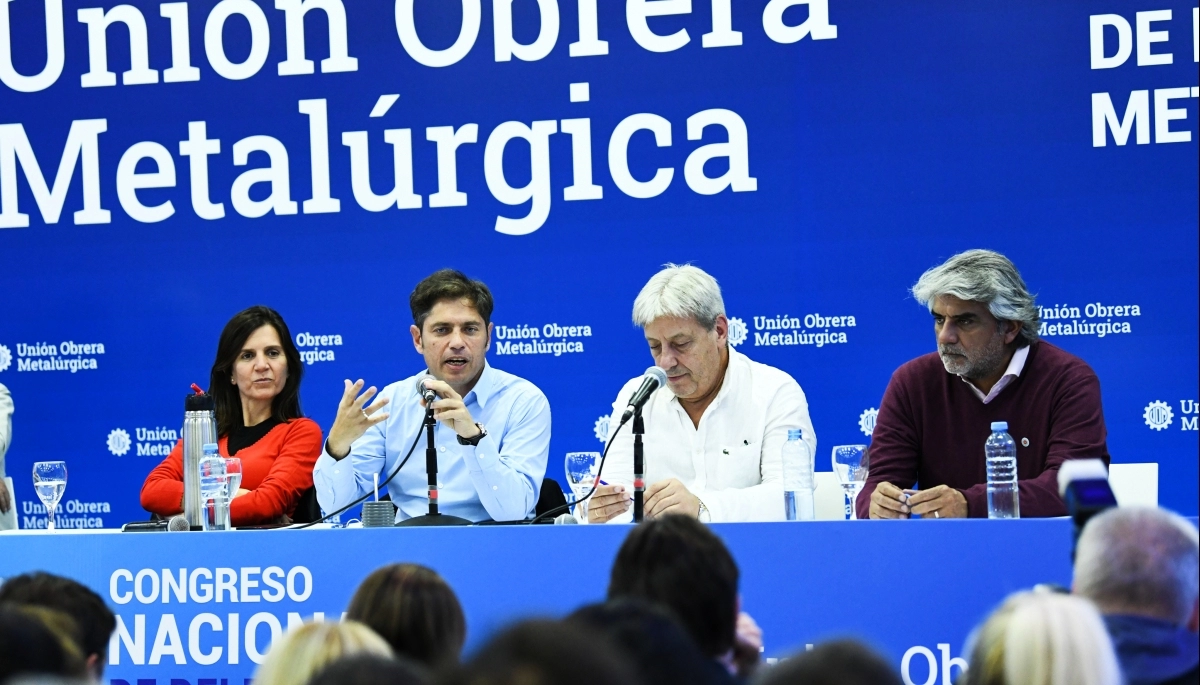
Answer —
(867, 141)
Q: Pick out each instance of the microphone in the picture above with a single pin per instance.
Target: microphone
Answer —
(174, 524)
(565, 519)
(652, 380)
(425, 393)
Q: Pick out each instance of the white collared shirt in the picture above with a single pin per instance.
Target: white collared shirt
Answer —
(1015, 366)
(731, 461)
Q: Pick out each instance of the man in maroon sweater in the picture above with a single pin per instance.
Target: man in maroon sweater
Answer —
(989, 366)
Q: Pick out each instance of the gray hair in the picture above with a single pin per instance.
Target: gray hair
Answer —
(987, 277)
(682, 291)
(1043, 638)
(1140, 560)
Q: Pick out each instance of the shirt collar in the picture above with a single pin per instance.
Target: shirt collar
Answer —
(485, 387)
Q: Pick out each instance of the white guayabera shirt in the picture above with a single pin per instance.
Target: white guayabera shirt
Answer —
(731, 461)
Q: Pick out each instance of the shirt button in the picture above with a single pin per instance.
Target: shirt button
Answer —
(442, 448)
(495, 487)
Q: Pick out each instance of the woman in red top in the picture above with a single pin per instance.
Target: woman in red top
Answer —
(255, 384)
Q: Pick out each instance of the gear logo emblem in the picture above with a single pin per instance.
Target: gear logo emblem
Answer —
(1158, 415)
(5, 358)
(601, 427)
(118, 442)
(866, 421)
(737, 331)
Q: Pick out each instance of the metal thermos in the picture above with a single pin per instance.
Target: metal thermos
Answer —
(199, 428)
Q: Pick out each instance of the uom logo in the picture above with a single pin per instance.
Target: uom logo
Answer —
(866, 421)
(5, 358)
(1158, 415)
(601, 427)
(737, 331)
(118, 442)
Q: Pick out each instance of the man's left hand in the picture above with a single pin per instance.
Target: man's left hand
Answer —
(670, 497)
(451, 410)
(940, 502)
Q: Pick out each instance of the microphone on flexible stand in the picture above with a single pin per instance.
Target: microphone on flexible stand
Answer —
(434, 517)
(652, 380)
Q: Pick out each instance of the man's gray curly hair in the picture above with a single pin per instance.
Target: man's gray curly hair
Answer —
(987, 277)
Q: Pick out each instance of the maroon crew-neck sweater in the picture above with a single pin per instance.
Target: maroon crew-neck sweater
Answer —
(931, 429)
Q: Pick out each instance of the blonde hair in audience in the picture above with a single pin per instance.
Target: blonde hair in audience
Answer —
(300, 653)
(1043, 638)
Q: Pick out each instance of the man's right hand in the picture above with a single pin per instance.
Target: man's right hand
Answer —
(887, 502)
(353, 419)
(5, 498)
(610, 501)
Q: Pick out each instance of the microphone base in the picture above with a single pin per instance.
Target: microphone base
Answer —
(434, 520)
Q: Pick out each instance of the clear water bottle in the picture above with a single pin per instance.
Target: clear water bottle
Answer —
(1001, 452)
(212, 486)
(798, 480)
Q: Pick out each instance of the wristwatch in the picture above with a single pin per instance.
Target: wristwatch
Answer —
(473, 442)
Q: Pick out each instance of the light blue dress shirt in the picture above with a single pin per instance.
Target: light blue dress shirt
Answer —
(499, 479)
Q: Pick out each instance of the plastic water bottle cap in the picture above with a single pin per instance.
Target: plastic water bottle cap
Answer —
(999, 426)
(210, 447)
(794, 434)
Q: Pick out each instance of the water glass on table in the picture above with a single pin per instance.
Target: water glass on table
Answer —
(233, 481)
(850, 463)
(50, 482)
(581, 469)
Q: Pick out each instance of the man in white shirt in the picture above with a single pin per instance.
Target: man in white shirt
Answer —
(7, 521)
(713, 436)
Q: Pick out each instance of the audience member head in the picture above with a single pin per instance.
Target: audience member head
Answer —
(657, 646)
(94, 621)
(840, 662)
(1140, 561)
(545, 653)
(300, 653)
(678, 563)
(413, 608)
(36, 640)
(1043, 638)
(370, 669)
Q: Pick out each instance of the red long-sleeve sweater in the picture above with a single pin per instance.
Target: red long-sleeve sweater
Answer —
(276, 469)
(931, 429)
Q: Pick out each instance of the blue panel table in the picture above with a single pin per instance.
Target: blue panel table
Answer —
(198, 606)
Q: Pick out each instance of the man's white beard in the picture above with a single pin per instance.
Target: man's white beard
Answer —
(981, 365)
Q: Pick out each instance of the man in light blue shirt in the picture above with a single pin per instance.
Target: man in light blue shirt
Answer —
(493, 430)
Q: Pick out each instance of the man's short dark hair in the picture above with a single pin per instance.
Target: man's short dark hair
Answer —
(655, 643)
(449, 284)
(415, 610)
(545, 653)
(841, 662)
(93, 618)
(678, 563)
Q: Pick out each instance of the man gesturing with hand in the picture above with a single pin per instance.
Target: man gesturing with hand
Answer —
(493, 430)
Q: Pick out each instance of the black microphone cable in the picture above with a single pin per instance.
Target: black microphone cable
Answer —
(360, 500)
(595, 484)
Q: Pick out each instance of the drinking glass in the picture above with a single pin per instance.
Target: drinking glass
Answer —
(850, 463)
(50, 482)
(581, 468)
(233, 472)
